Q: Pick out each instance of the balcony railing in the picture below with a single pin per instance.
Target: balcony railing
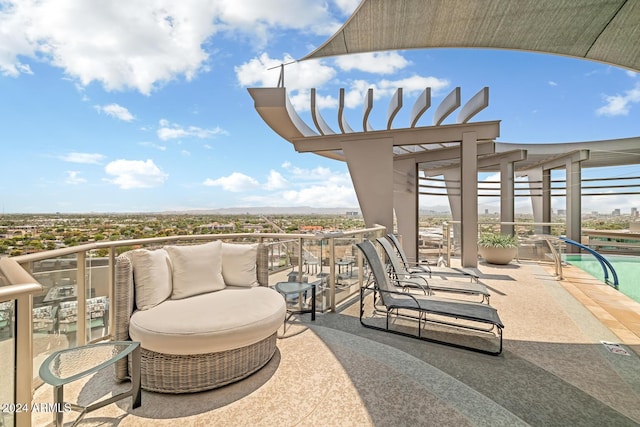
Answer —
(76, 280)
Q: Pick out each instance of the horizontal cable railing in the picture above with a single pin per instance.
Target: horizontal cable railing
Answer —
(538, 241)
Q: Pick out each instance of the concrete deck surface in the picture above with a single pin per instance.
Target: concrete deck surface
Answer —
(554, 370)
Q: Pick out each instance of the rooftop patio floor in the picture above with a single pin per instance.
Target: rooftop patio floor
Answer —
(554, 369)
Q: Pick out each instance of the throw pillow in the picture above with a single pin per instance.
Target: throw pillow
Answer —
(196, 269)
(239, 264)
(152, 277)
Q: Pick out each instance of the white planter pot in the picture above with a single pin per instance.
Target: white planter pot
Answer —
(497, 255)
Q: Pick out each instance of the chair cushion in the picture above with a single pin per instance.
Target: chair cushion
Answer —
(212, 322)
(239, 264)
(152, 277)
(196, 269)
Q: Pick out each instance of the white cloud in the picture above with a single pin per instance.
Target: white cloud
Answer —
(619, 105)
(259, 17)
(236, 182)
(322, 195)
(264, 71)
(552, 83)
(114, 110)
(631, 74)
(411, 86)
(169, 131)
(130, 174)
(74, 178)
(275, 181)
(347, 6)
(153, 145)
(319, 186)
(319, 174)
(121, 45)
(141, 45)
(86, 158)
(294, 186)
(300, 77)
(376, 62)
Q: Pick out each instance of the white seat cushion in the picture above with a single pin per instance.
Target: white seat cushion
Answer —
(217, 321)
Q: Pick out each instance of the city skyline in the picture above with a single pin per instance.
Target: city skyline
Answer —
(140, 108)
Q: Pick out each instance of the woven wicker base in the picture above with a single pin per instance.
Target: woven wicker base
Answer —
(171, 373)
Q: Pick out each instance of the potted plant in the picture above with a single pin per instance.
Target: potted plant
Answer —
(497, 248)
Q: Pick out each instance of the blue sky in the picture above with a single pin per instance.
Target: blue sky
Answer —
(143, 106)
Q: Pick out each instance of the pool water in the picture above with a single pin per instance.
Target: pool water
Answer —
(627, 268)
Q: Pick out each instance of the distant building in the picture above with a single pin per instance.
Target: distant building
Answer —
(562, 212)
(310, 228)
(634, 212)
(616, 212)
(352, 213)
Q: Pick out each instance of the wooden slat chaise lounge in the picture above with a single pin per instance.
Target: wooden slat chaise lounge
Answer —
(422, 310)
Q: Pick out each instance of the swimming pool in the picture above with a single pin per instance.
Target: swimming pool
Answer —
(627, 268)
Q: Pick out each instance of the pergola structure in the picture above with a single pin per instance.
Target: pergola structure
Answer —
(385, 165)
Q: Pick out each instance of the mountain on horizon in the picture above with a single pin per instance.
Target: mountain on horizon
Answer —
(274, 210)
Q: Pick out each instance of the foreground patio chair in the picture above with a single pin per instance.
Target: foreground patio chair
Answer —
(425, 281)
(406, 308)
(425, 267)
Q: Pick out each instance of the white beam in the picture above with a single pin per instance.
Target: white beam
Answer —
(485, 131)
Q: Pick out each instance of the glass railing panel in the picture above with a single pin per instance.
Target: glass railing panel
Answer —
(98, 295)
(7, 363)
(346, 267)
(55, 309)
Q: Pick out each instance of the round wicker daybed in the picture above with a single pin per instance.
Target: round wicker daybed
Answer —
(200, 342)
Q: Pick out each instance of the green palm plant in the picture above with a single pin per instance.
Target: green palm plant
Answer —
(496, 240)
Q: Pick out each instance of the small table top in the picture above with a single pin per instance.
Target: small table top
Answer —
(65, 366)
(292, 287)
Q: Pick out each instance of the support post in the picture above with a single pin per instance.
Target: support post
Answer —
(405, 204)
(370, 163)
(469, 199)
(546, 200)
(574, 203)
(507, 196)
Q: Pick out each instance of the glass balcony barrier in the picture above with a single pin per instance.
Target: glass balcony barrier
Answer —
(80, 279)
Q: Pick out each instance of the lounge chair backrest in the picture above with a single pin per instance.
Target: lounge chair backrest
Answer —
(377, 269)
(396, 264)
(403, 257)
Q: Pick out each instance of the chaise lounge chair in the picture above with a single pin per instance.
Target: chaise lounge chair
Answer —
(461, 315)
(414, 267)
(425, 281)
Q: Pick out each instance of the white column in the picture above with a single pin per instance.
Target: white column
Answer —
(534, 177)
(469, 198)
(405, 204)
(546, 200)
(574, 203)
(507, 196)
(452, 183)
(370, 165)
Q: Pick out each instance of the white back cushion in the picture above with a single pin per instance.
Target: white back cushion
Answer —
(152, 277)
(239, 264)
(196, 269)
